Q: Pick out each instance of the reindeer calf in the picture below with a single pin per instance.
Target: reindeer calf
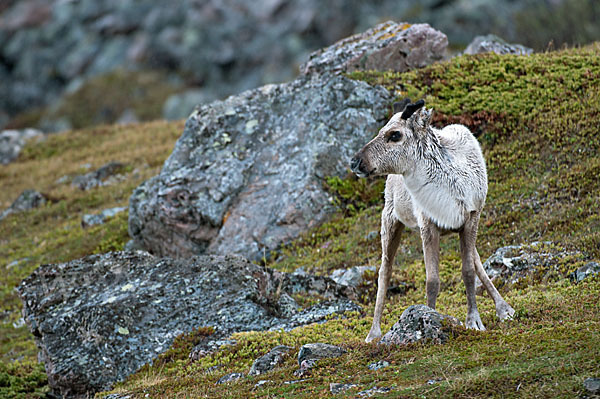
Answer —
(437, 181)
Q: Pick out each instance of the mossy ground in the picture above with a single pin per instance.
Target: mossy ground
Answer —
(537, 118)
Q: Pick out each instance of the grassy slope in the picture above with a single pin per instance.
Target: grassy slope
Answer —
(539, 116)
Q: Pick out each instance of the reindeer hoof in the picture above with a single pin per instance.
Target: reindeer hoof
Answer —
(505, 311)
(474, 322)
(373, 336)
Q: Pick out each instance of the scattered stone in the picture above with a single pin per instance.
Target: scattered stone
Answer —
(510, 264)
(128, 116)
(388, 46)
(100, 218)
(215, 192)
(29, 199)
(319, 351)
(230, 377)
(99, 318)
(98, 177)
(589, 269)
(433, 381)
(367, 393)
(378, 365)
(260, 383)
(494, 44)
(351, 277)
(12, 141)
(592, 385)
(269, 361)
(418, 323)
(372, 235)
(336, 387)
(294, 381)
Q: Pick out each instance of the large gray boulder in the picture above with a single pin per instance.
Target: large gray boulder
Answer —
(494, 44)
(389, 46)
(12, 141)
(247, 174)
(98, 319)
(28, 199)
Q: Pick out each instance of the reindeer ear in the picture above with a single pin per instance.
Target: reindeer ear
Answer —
(421, 118)
(400, 105)
(412, 108)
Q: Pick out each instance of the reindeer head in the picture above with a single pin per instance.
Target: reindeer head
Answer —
(393, 150)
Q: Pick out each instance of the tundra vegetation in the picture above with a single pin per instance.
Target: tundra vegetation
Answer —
(537, 120)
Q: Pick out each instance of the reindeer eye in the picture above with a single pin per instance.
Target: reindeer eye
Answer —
(395, 136)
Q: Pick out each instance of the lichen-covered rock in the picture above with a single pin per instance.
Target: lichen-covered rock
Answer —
(28, 199)
(248, 172)
(270, 360)
(318, 351)
(98, 319)
(12, 141)
(337, 387)
(417, 323)
(589, 269)
(230, 377)
(494, 44)
(388, 46)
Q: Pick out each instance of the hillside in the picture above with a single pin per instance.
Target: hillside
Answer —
(537, 119)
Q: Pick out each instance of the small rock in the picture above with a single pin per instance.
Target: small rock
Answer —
(373, 391)
(378, 365)
(100, 218)
(260, 383)
(28, 199)
(494, 44)
(418, 322)
(336, 387)
(97, 177)
(372, 235)
(230, 377)
(592, 385)
(128, 116)
(269, 361)
(294, 381)
(319, 351)
(590, 269)
(351, 277)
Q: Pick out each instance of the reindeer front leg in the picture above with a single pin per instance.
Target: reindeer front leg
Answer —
(430, 237)
(503, 309)
(391, 230)
(468, 236)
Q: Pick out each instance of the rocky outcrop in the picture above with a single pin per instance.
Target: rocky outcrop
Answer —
(248, 172)
(12, 141)
(418, 323)
(98, 319)
(29, 199)
(388, 46)
(100, 218)
(494, 44)
(352, 276)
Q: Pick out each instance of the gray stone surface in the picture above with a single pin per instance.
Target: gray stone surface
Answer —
(418, 323)
(230, 377)
(337, 387)
(592, 385)
(100, 218)
(270, 360)
(12, 141)
(319, 350)
(387, 46)
(100, 318)
(494, 44)
(352, 276)
(367, 393)
(510, 264)
(98, 177)
(378, 365)
(216, 191)
(589, 269)
(27, 200)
